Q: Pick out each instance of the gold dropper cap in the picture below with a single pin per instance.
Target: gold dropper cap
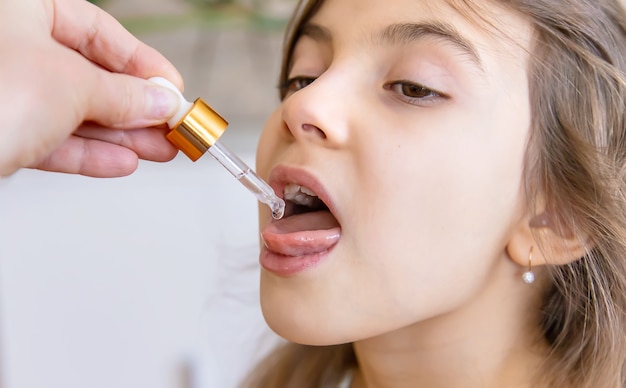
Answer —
(198, 130)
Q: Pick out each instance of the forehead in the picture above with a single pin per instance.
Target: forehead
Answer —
(483, 26)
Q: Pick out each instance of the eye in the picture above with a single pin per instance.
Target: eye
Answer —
(293, 84)
(414, 93)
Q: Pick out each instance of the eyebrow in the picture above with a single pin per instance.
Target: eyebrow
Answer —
(406, 33)
(316, 32)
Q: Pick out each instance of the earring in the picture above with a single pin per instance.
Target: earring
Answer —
(529, 276)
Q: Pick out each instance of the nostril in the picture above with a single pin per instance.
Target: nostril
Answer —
(313, 129)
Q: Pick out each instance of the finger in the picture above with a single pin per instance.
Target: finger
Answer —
(82, 26)
(123, 101)
(91, 158)
(146, 143)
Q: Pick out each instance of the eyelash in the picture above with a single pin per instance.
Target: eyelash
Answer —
(293, 84)
(415, 94)
(411, 92)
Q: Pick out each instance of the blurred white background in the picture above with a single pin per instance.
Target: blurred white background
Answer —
(149, 280)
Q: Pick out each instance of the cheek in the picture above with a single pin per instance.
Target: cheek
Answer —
(266, 156)
(268, 144)
(436, 208)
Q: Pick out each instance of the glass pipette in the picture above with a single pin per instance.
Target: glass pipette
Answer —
(196, 129)
(257, 186)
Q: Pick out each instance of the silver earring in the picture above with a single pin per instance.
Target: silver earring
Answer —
(529, 276)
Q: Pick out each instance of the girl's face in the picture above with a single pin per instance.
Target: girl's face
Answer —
(409, 122)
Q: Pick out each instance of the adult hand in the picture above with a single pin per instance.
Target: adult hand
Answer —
(73, 94)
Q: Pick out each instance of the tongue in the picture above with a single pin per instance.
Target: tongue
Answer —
(302, 234)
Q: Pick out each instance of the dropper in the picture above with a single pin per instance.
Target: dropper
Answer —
(196, 129)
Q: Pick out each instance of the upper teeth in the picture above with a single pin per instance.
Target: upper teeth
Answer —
(300, 195)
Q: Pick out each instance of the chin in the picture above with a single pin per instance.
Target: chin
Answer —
(306, 334)
(300, 323)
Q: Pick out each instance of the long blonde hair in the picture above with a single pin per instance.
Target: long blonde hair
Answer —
(575, 163)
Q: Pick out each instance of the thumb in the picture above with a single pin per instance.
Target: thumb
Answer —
(123, 101)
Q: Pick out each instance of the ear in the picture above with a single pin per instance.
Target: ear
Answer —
(550, 244)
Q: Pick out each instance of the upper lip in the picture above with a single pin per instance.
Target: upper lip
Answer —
(282, 175)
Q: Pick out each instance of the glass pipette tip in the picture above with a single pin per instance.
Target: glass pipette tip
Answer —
(261, 190)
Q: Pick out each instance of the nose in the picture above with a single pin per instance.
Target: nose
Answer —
(319, 112)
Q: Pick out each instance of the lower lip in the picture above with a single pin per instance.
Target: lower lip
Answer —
(286, 266)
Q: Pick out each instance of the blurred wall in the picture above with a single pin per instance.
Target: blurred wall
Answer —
(149, 280)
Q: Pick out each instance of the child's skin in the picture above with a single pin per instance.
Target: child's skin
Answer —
(423, 271)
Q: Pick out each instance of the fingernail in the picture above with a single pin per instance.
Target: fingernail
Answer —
(161, 103)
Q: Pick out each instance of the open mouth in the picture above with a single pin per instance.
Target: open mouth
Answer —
(302, 199)
(304, 211)
(308, 226)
